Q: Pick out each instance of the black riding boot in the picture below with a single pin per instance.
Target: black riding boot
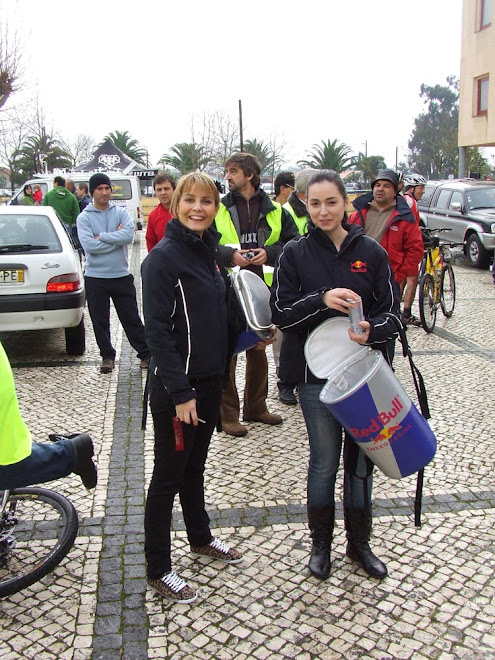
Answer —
(358, 531)
(321, 522)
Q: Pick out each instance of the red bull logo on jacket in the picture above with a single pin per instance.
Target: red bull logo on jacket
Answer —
(359, 266)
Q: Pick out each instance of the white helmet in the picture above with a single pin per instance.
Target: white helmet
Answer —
(411, 180)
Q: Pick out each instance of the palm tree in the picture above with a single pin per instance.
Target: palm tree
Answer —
(129, 146)
(41, 153)
(186, 157)
(329, 156)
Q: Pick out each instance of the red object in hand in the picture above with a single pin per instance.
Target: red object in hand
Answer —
(179, 436)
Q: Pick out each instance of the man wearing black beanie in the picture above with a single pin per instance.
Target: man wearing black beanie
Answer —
(105, 230)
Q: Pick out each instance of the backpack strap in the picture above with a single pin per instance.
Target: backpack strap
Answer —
(420, 388)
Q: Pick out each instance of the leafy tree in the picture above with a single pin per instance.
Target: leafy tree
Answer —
(186, 157)
(329, 156)
(129, 146)
(370, 166)
(433, 143)
(476, 162)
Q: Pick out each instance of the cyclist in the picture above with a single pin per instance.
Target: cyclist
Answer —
(23, 462)
(414, 189)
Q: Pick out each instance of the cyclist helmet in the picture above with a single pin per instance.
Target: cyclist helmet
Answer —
(411, 180)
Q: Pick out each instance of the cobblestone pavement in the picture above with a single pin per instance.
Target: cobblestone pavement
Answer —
(438, 601)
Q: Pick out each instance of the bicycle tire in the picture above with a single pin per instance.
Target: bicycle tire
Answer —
(427, 305)
(447, 290)
(45, 532)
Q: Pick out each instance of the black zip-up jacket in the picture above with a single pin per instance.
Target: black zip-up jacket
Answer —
(311, 265)
(185, 309)
(288, 230)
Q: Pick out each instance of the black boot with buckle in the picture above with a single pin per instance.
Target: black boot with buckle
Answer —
(321, 523)
(358, 524)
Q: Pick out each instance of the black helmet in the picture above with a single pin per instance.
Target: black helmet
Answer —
(387, 175)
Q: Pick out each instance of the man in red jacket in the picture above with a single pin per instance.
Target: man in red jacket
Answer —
(164, 186)
(385, 216)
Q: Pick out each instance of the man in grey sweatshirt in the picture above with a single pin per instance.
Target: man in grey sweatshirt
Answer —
(105, 230)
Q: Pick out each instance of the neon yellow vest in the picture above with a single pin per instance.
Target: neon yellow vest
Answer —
(301, 222)
(15, 438)
(225, 226)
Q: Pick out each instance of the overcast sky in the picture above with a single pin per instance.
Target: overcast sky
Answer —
(305, 71)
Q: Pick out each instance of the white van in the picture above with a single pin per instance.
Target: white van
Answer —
(126, 190)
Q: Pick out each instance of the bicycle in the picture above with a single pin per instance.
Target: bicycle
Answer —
(436, 279)
(38, 527)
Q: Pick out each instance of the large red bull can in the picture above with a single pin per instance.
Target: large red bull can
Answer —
(364, 395)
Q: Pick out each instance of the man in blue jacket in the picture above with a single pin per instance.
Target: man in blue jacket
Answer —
(105, 230)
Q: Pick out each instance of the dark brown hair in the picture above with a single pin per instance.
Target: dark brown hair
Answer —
(248, 163)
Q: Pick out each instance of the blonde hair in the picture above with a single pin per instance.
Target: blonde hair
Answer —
(187, 182)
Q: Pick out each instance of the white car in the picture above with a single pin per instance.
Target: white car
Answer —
(41, 280)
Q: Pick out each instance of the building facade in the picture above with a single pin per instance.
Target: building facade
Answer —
(477, 90)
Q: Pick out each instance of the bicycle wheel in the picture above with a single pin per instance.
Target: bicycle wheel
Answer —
(37, 530)
(427, 305)
(447, 290)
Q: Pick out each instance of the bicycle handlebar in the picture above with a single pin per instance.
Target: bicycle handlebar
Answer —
(429, 230)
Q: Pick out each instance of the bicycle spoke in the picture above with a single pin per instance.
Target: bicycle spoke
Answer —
(427, 304)
(37, 530)
(447, 296)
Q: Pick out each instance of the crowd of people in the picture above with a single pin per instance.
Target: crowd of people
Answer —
(305, 248)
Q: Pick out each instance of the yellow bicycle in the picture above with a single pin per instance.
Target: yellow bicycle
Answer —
(436, 279)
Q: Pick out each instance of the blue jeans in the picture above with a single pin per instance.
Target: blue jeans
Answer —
(325, 445)
(48, 461)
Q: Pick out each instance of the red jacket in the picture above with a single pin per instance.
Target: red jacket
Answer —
(157, 221)
(402, 238)
(413, 205)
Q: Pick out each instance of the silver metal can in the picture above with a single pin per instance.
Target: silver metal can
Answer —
(356, 315)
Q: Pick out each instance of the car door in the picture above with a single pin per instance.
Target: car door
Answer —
(439, 213)
(455, 218)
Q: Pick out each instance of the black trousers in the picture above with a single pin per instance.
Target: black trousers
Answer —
(122, 291)
(178, 472)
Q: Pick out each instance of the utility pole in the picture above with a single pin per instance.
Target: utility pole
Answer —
(240, 126)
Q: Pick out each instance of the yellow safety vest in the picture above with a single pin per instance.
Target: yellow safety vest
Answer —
(15, 438)
(224, 225)
(301, 222)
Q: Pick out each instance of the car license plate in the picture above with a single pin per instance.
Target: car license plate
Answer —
(11, 276)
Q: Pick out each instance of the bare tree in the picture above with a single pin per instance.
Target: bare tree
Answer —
(81, 149)
(219, 135)
(15, 126)
(277, 146)
(10, 62)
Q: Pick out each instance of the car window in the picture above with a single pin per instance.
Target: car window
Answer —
(456, 197)
(17, 197)
(18, 229)
(121, 188)
(483, 198)
(443, 199)
(425, 200)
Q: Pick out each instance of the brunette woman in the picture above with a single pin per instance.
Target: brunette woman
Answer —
(316, 277)
(185, 310)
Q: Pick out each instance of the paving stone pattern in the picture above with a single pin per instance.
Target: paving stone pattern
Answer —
(437, 603)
